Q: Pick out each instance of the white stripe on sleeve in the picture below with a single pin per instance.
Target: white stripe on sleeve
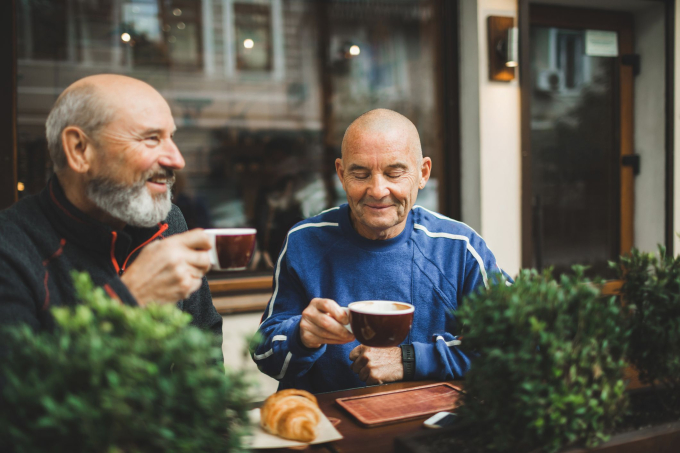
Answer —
(285, 366)
(283, 252)
(271, 351)
(459, 237)
(449, 343)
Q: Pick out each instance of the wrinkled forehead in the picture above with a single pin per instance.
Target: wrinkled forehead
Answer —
(141, 109)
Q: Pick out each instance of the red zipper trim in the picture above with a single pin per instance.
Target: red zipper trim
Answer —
(162, 228)
(112, 294)
(54, 199)
(59, 251)
(113, 252)
(46, 304)
(45, 262)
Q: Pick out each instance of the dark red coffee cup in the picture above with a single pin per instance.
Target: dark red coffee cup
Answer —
(380, 323)
(232, 248)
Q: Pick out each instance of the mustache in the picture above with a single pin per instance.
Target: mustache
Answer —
(166, 173)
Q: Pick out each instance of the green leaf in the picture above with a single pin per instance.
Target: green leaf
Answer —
(113, 378)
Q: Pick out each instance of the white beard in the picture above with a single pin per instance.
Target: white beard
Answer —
(133, 205)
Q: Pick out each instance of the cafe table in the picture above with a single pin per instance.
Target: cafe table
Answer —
(359, 439)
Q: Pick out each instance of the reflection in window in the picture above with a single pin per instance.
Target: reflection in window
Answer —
(252, 24)
(45, 30)
(258, 143)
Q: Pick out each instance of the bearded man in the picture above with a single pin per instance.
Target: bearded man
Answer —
(105, 211)
(378, 246)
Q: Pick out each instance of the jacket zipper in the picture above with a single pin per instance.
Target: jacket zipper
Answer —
(121, 270)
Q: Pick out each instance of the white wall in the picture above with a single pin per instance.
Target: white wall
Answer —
(650, 121)
(493, 204)
(470, 184)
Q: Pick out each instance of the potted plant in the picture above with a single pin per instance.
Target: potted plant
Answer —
(549, 366)
(113, 378)
(651, 287)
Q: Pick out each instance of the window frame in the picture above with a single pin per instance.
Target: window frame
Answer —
(229, 36)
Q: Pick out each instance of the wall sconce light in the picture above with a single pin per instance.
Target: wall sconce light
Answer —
(503, 48)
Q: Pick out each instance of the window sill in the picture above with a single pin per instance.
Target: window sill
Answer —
(241, 295)
(237, 285)
(244, 303)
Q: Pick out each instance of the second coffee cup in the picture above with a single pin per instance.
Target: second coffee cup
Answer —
(380, 323)
(232, 248)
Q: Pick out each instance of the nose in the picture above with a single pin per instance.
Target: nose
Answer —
(171, 157)
(378, 187)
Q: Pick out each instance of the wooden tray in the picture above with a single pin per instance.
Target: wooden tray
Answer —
(399, 405)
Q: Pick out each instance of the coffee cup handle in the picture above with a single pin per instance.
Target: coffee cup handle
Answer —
(214, 261)
(347, 326)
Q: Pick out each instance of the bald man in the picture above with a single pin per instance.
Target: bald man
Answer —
(378, 246)
(105, 211)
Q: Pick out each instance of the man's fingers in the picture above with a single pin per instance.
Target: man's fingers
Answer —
(196, 239)
(332, 328)
(355, 353)
(324, 336)
(331, 308)
(373, 380)
(364, 373)
(318, 326)
(199, 260)
(359, 364)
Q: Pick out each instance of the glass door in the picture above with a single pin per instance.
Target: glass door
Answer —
(580, 129)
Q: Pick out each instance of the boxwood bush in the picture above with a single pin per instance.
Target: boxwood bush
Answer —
(651, 285)
(113, 378)
(549, 365)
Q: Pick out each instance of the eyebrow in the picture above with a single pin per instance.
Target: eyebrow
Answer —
(355, 167)
(395, 166)
(156, 131)
(398, 165)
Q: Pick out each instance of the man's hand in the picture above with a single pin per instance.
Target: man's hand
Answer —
(170, 270)
(323, 322)
(377, 365)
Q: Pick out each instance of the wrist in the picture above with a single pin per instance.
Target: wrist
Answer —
(408, 361)
(136, 294)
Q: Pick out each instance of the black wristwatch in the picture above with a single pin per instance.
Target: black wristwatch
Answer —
(408, 359)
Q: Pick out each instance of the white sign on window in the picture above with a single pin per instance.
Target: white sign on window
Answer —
(602, 43)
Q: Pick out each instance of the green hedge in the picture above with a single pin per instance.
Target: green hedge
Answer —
(651, 286)
(113, 378)
(549, 367)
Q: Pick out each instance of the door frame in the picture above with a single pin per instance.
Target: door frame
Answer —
(579, 18)
(8, 109)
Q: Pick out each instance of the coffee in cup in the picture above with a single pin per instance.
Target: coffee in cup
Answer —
(380, 323)
(232, 248)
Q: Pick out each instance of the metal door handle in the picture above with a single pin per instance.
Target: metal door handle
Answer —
(632, 160)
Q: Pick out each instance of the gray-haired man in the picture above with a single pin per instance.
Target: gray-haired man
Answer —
(104, 211)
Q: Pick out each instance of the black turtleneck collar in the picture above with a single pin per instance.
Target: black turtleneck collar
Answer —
(77, 227)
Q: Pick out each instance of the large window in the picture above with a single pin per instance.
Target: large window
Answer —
(261, 90)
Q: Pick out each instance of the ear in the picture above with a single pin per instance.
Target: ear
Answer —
(425, 171)
(340, 170)
(78, 149)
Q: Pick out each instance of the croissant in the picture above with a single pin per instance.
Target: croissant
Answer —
(292, 414)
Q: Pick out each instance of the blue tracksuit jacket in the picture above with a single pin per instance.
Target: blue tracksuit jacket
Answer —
(432, 264)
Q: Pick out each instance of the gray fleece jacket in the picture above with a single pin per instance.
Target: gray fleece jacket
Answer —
(43, 237)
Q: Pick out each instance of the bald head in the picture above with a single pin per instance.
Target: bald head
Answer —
(90, 104)
(384, 122)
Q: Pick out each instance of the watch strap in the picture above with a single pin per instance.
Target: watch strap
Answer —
(408, 359)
